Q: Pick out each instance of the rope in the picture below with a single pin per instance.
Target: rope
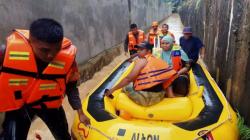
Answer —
(83, 131)
(208, 131)
(95, 129)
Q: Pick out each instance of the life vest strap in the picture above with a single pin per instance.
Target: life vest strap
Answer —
(18, 94)
(169, 68)
(32, 74)
(159, 72)
(45, 98)
(162, 72)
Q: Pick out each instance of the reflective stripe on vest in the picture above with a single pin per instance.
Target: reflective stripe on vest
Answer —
(57, 64)
(155, 72)
(20, 82)
(132, 41)
(15, 55)
(47, 86)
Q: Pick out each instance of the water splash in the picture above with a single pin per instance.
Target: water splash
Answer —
(230, 27)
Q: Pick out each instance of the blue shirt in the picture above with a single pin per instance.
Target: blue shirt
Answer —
(191, 46)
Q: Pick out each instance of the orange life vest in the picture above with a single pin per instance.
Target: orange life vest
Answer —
(176, 58)
(20, 82)
(155, 72)
(151, 35)
(132, 41)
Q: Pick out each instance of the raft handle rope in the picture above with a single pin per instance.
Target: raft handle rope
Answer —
(229, 117)
(90, 127)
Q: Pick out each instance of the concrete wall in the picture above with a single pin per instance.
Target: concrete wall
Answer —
(224, 26)
(144, 12)
(93, 25)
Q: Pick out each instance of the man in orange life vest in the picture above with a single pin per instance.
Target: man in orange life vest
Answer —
(153, 32)
(38, 67)
(146, 81)
(133, 38)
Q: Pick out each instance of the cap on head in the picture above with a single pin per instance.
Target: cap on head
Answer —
(187, 30)
(47, 30)
(155, 23)
(168, 39)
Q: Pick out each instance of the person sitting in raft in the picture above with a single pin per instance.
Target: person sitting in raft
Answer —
(150, 75)
(178, 59)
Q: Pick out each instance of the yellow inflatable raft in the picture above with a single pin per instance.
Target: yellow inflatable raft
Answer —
(203, 115)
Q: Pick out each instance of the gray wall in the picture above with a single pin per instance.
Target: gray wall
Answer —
(224, 26)
(93, 25)
(144, 12)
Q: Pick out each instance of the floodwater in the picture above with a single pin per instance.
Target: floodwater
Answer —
(38, 127)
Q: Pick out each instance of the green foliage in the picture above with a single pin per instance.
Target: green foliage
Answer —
(243, 129)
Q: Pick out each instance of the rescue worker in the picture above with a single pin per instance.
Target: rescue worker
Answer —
(37, 68)
(178, 59)
(165, 31)
(192, 45)
(153, 32)
(147, 80)
(134, 37)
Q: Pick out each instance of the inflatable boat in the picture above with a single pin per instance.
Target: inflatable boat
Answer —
(204, 114)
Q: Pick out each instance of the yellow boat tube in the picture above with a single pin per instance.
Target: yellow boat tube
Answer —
(204, 114)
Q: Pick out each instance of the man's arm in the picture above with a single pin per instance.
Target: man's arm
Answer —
(202, 48)
(73, 93)
(202, 52)
(130, 77)
(186, 67)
